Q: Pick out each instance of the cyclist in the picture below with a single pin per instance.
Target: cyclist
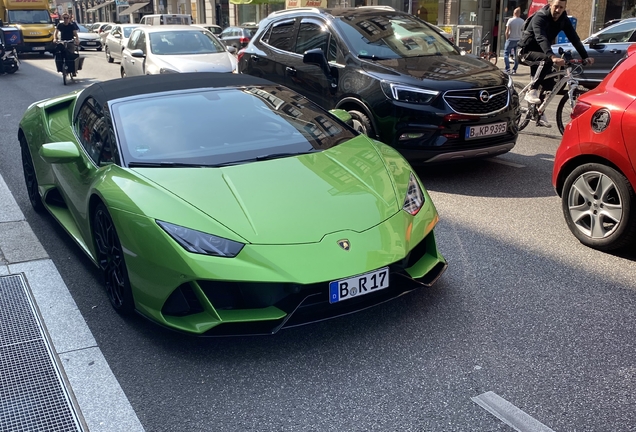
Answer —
(66, 31)
(539, 32)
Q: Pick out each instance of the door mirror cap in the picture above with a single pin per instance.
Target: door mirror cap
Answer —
(231, 50)
(317, 57)
(59, 152)
(342, 115)
(137, 53)
(593, 42)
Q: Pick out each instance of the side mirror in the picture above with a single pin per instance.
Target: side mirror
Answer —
(118, 36)
(137, 53)
(593, 42)
(317, 57)
(231, 50)
(342, 115)
(59, 152)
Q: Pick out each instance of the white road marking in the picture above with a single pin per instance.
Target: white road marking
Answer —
(505, 162)
(509, 414)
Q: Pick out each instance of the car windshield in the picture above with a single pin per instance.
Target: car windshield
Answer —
(392, 36)
(29, 17)
(184, 42)
(82, 29)
(208, 127)
(127, 31)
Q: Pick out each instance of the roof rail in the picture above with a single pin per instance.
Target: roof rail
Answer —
(284, 11)
(376, 7)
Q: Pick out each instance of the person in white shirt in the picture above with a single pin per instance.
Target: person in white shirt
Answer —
(514, 26)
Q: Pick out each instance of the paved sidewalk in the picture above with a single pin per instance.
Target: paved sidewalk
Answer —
(86, 381)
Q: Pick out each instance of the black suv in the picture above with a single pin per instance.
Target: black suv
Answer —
(401, 81)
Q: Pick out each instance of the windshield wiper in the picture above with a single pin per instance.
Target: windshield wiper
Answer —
(280, 155)
(371, 57)
(163, 165)
(265, 157)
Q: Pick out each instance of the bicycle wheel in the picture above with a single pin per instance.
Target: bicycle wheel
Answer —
(523, 120)
(564, 110)
(492, 58)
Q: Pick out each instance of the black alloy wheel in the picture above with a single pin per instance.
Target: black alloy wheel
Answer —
(110, 258)
(30, 178)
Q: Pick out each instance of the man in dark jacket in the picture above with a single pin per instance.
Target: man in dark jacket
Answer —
(537, 38)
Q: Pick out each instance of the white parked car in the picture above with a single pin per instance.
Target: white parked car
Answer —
(117, 40)
(88, 40)
(174, 49)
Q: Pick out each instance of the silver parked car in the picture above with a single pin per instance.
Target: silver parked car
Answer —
(88, 40)
(174, 49)
(607, 46)
(117, 40)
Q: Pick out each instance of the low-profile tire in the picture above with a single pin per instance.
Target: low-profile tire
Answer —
(30, 178)
(110, 258)
(564, 110)
(123, 73)
(598, 205)
(99, 49)
(360, 122)
(108, 57)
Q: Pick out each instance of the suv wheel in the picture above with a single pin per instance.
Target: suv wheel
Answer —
(361, 123)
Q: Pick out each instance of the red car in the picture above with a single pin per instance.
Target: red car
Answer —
(595, 165)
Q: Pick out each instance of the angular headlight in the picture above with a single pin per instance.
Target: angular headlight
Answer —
(402, 93)
(200, 242)
(414, 199)
(167, 71)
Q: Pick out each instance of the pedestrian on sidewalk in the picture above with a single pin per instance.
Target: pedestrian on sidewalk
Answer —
(514, 26)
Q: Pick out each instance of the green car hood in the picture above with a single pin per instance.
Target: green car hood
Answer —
(290, 200)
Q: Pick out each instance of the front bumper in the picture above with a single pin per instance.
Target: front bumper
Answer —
(438, 133)
(269, 287)
(92, 44)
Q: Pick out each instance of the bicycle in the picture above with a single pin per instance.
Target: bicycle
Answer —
(532, 112)
(485, 52)
(67, 62)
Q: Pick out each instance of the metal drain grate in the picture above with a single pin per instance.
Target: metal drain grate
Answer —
(33, 396)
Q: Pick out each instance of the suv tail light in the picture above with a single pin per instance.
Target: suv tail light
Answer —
(244, 40)
(579, 109)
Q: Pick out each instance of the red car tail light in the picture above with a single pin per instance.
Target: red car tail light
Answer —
(244, 40)
(239, 55)
(579, 109)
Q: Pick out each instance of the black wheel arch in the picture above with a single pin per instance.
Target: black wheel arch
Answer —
(352, 103)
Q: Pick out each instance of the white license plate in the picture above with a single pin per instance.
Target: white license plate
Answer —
(486, 130)
(38, 48)
(91, 43)
(356, 286)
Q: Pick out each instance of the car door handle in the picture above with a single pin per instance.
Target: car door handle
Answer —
(615, 51)
(290, 71)
(255, 58)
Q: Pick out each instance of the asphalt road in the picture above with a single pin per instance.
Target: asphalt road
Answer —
(524, 311)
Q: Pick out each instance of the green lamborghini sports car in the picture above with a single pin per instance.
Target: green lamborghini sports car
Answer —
(219, 204)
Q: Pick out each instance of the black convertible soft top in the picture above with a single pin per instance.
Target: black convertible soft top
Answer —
(147, 84)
